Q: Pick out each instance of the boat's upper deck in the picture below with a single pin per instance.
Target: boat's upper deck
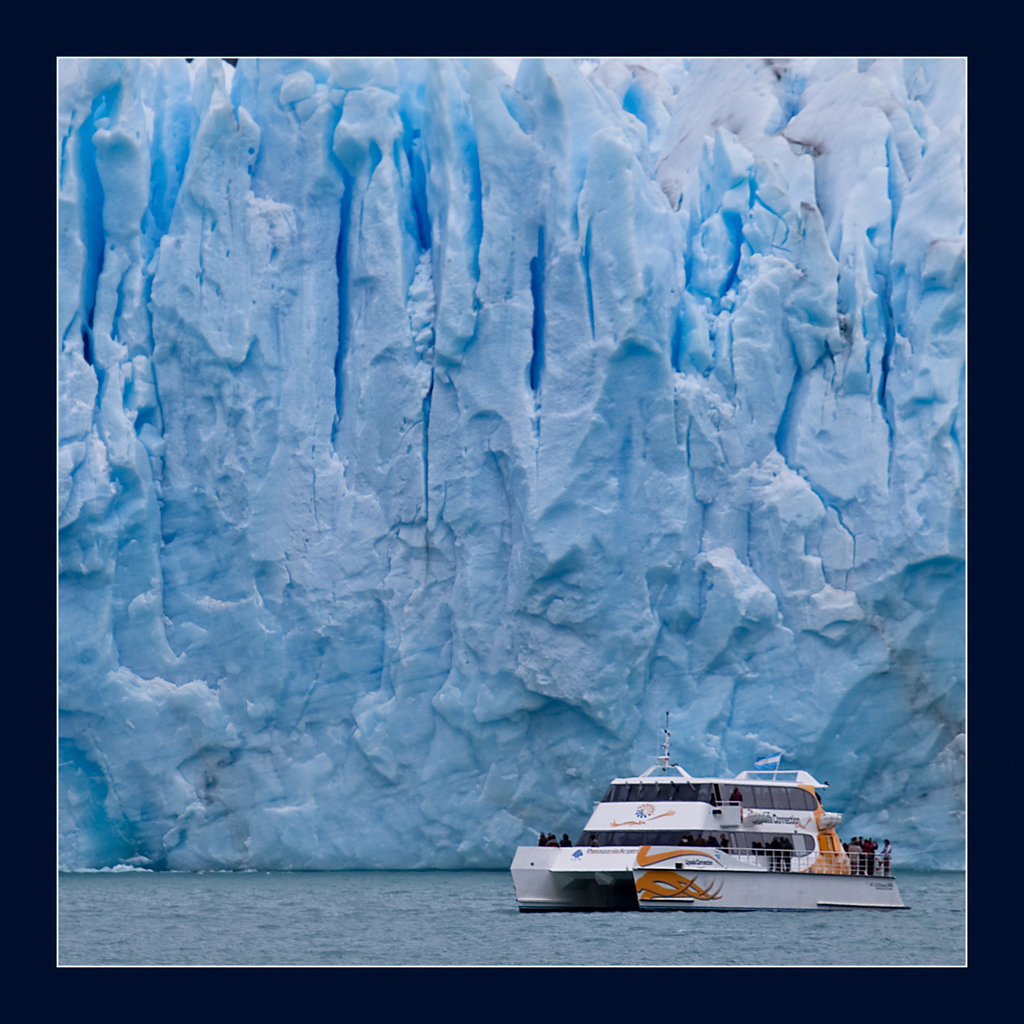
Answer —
(722, 793)
(670, 806)
(671, 772)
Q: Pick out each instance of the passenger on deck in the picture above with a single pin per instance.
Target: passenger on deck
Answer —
(854, 850)
(868, 847)
(737, 796)
(566, 841)
(593, 841)
(543, 840)
(885, 857)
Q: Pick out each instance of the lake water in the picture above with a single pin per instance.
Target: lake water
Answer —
(468, 918)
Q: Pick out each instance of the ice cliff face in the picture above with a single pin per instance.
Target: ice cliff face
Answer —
(426, 435)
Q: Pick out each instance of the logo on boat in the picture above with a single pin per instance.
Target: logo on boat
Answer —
(791, 819)
(643, 814)
(660, 885)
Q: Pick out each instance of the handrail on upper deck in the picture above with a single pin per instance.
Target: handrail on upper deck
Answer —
(664, 766)
(827, 862)
(797, 775)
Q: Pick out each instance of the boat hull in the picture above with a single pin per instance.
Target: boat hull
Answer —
(548, 879)
(753, 890)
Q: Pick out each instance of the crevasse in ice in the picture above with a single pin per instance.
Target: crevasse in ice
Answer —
(430, 428)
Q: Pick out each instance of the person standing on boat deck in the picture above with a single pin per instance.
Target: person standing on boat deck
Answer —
(885, 856)
(737, 796)
(854, 851)
(869, 846)
(566, 841)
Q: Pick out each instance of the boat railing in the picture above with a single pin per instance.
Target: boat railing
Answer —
(863, 864)
(772, 774)
(769, 859)
(789, 775)
(824, 862)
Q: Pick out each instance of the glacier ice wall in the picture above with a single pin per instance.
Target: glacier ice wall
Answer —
(426, 433)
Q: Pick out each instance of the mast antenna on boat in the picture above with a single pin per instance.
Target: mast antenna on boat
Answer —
(663, 760)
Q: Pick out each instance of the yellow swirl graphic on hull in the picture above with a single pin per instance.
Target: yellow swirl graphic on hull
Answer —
(645, 857)
(659, 885)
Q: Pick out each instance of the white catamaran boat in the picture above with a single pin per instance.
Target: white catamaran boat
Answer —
(665, 840)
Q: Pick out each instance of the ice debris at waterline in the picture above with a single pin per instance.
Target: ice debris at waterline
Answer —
(427, 433)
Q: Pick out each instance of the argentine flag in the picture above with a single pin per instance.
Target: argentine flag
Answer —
(769, 763)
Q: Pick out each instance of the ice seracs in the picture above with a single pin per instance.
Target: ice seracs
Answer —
(426, 426)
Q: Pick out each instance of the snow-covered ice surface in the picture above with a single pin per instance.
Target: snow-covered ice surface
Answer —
(427, 434)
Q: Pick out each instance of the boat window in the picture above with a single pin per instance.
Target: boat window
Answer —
(783, 798)
(804, 800)
(624, 793)
(734, 842)
(757, 841)
(796, 799)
